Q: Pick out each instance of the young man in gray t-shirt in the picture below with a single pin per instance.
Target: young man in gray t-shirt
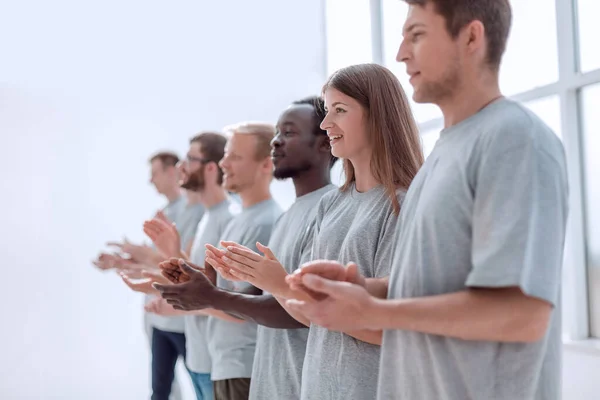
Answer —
(248, 171)
(473, 309)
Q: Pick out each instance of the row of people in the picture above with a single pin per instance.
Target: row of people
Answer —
(435, 280)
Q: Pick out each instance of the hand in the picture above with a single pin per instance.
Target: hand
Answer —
(196, 294)
(344, 306)
(138, 254)
(161, 307)
(144, 285)
(265, 272)
(164, 235)
(171, 270)
(331, 270)
(105, 261)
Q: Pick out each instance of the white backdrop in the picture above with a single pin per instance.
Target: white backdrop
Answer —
(88, 90)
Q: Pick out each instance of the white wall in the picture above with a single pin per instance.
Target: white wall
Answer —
(87, 91)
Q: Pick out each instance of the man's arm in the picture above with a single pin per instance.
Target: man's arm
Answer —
(262, 309)
(501, 315)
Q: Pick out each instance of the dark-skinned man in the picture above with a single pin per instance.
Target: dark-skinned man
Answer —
(300, 151)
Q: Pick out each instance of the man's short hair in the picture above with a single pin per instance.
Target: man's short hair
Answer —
(262, 131)
(167, 158)
(213, 148)
(495, 15)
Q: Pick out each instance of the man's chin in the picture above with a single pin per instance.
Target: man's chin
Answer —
(282, 174)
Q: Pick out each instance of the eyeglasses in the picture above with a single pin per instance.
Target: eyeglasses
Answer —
(190, 159)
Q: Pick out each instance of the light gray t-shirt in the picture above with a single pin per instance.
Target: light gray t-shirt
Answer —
(488, 209)
(174, 211)
(232, 344)
(277, 370)
(211, 227)
(350, 227)
(186, 224)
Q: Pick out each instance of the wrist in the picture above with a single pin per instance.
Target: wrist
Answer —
(376, 312)
(282, 290)
(221, 299)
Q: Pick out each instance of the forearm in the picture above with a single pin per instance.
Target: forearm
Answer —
(369, 336)
(500, 315)
(262, 309)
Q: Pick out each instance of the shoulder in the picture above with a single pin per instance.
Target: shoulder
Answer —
(331, 197)
(511, 127)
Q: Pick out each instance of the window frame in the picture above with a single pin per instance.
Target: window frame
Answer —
(576, 304)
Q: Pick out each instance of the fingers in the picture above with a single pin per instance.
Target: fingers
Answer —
(162, 217)
(171, 277)
(353, 275)
(303, 307)
(115, 244)
(226, 274)
(226, 244)
(241, 269)
(233, 259)
(241, 276)
(213, 261)
(217, 253)
(334, 289)
(266, 251)
(187, 269)
(241, 254)
(166, 290)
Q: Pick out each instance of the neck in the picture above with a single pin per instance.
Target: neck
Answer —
(212, 196)
(254, 195)
(193, 198)
(173, 194)
(364, 179)
(311, 180)
(471, 97)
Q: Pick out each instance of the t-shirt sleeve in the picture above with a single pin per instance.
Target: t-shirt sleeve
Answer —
(519, 219)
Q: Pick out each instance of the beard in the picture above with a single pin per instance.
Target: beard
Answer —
(436, 92)
(290, 172)
(194, 181)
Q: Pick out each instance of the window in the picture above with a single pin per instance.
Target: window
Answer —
(589, 32)
(548, 109)
(393, 17)
(531, 58)
(348, 32)
(429, 139)
(530, 74)
(590, 99)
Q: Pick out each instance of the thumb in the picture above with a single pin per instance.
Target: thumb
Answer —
(185, 267)
(266, 251)
(352, 274)
(322, 285)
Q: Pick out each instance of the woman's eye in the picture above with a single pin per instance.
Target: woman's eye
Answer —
(340, 110)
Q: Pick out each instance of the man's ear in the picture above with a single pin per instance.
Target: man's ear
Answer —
(267, 165)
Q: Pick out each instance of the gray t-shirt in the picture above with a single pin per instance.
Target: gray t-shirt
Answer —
(175, 211)
(232, 344)
(350, 227)
(211, 227)
(488, 209)
(280, 353)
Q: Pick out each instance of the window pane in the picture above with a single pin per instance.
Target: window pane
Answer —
(394, 15)
(348, 31)
(428, 140)
(548, 109)
(588, 11)
(531, 58)
(590, 98)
